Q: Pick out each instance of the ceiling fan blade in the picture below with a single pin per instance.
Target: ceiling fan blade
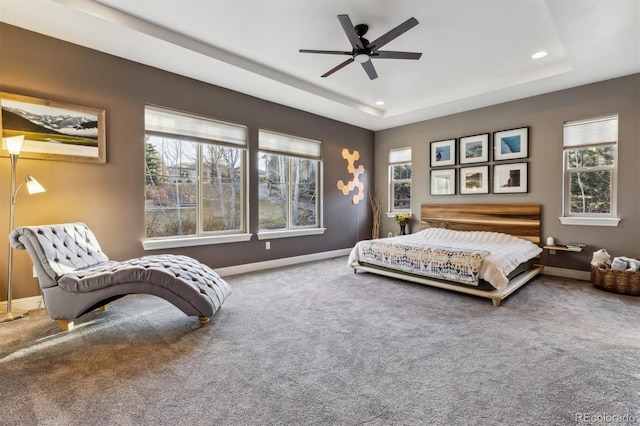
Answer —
(349, 30)
(338, 67)
(396, 55)
(371, 71)
(328, 52)
(397, 31)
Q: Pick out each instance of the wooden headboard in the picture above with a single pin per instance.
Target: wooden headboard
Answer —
(520, 220)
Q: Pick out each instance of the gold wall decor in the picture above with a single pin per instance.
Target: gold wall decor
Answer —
(356, 172)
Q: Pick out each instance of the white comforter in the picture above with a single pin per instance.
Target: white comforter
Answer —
(506, 251)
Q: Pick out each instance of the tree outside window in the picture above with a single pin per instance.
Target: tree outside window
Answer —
(194, 175)
(590, 157)
(400, 180)
(590, 173)
(288, 194)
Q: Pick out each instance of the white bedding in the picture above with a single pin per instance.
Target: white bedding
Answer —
(506, 251)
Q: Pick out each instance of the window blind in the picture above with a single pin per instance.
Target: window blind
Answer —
(591, 132)
(402, 155)
(277, 142)
(166, 122)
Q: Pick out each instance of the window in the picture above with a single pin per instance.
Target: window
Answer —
(194, 178)
(288, 194)
(590, 171)
(400, 180)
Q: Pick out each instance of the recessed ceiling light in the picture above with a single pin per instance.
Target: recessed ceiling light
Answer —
(539, 55)
(380, 103)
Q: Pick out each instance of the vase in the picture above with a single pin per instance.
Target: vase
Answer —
(403, 229)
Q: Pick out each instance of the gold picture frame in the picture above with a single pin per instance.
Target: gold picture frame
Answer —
(53, 130)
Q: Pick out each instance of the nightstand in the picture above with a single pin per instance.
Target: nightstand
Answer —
(577, 248)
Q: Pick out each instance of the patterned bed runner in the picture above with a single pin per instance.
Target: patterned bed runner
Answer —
(458, 265)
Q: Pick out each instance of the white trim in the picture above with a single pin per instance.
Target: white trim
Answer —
(272, 235)
(277, 263)
(567, 273)
(23, 304)
(589, 221)
(36, 302)
(165, 243)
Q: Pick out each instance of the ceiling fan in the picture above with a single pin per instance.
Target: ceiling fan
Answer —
(363, 50)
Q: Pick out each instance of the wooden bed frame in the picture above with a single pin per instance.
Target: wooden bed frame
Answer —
(520, 220)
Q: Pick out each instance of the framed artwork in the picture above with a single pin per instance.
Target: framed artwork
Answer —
(52, 130)
(443, 153)
(474, 149)
(510, 178)
(443, 182)
(511, 144)
(474, 180)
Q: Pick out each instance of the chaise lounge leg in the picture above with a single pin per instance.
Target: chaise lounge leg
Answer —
(496, 302)
(65, 325)
(203, 321)
(103, 308)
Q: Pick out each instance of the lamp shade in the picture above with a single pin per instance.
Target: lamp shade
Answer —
(33, 186)
(14, 144)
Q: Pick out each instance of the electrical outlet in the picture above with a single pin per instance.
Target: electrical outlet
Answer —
(267, 245)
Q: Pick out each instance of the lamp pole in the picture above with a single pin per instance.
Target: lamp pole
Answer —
(14, 146)
(11, 315)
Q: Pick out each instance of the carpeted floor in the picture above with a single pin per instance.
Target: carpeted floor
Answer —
(316, 344)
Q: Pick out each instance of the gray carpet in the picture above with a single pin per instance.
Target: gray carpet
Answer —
(316, 344)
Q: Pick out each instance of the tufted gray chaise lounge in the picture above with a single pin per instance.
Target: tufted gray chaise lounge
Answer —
(77, 277)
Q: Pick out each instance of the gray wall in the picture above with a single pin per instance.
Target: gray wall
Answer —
(110, 197)
(545, 116)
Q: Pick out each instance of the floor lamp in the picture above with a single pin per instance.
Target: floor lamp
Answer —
(14, 145)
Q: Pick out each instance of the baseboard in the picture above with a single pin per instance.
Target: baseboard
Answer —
(567, 273)
(277, 263)
(36, 302)
(24, 304)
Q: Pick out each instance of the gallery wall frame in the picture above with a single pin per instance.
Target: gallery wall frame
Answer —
(511, 144)
(53, 130)
(474, 149)
(443, 153)
(474, 180)
(510, 178)
(443, 181)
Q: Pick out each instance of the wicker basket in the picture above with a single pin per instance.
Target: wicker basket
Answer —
(621, 282)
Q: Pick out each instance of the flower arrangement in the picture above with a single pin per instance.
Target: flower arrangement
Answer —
(402, 219)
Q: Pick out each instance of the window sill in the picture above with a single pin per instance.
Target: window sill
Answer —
(589, 221)
(391, 215)
(164, 243)
(270, 235)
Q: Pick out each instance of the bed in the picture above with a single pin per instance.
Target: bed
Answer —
(486, 250)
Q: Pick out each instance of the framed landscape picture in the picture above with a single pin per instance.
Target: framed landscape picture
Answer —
(474, 149)
(52, 130)
(443, 153)
(511, 144)
(474, 180)
(510, 178)
(443, 182)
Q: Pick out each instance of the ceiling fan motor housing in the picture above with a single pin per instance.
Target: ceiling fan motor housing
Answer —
(362, 50)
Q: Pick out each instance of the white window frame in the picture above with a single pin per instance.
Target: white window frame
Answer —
(294, 146)
(170, 123)
(598, 131)
(398, 157)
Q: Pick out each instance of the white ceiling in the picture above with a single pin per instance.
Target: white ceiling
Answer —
(474, 52)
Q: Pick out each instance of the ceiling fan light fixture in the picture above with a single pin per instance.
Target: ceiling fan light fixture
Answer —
(361, 58)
